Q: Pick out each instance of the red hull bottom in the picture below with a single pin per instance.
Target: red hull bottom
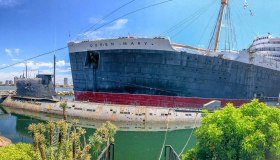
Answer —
(150, 100)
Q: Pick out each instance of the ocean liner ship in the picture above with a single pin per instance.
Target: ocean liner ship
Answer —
(155, 72)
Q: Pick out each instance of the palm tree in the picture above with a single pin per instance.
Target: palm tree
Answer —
(32, 129)
(63, 105)
(51, 129)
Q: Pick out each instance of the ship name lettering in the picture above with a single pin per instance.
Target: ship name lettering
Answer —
(106, 44)
(145, 43)
(112, 44)
(91, 45)
(124, 43)
(100, 44)
(139, 43)
(95, 45)
(132, 43)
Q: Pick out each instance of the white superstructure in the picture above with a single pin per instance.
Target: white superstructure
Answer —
(155, 43)
(267, 46)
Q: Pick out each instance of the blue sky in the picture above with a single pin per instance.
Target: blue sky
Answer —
(32, 27)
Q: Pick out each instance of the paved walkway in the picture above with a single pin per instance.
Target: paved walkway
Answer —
(4, 141)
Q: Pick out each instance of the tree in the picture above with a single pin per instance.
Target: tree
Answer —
(66, 141)
(63, 105)
(249, 132)
(103, 135)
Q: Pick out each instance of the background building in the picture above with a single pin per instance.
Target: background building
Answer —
(65, 82)
(15, 79)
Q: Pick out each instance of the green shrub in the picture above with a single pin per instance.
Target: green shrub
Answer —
(19, 151)
(249, 132)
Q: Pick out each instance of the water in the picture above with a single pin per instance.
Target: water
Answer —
(7, 88)
(129, 144)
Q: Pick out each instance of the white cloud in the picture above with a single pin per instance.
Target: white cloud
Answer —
(94, 20)
(16, 50)
(91, 35)
(31, 74)
(37, 65)
(119, 24)
(63, 70)
(59, 70)
(62, 63)
(11, 52)
(99, 34)
(32, 65)
(8, 3)
(9, 75)
(15, 59)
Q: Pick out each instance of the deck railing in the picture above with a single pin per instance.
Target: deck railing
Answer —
(170, 153)
(107, 153)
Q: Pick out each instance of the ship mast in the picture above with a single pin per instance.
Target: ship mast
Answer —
(223, 4)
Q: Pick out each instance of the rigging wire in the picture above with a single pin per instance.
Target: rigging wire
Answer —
(193, 20)
(189, 136)
(248, 29)
(206, 27)
(187, 19)
(50, 52)
(129, 13)
(108, 15)
(232, 31)
(165, 135)
(210, 45)
(40, 55)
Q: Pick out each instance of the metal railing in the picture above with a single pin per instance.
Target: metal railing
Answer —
(170, 153)
(107, 153)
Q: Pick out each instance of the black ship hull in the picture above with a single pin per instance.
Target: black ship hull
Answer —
(169, 73)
